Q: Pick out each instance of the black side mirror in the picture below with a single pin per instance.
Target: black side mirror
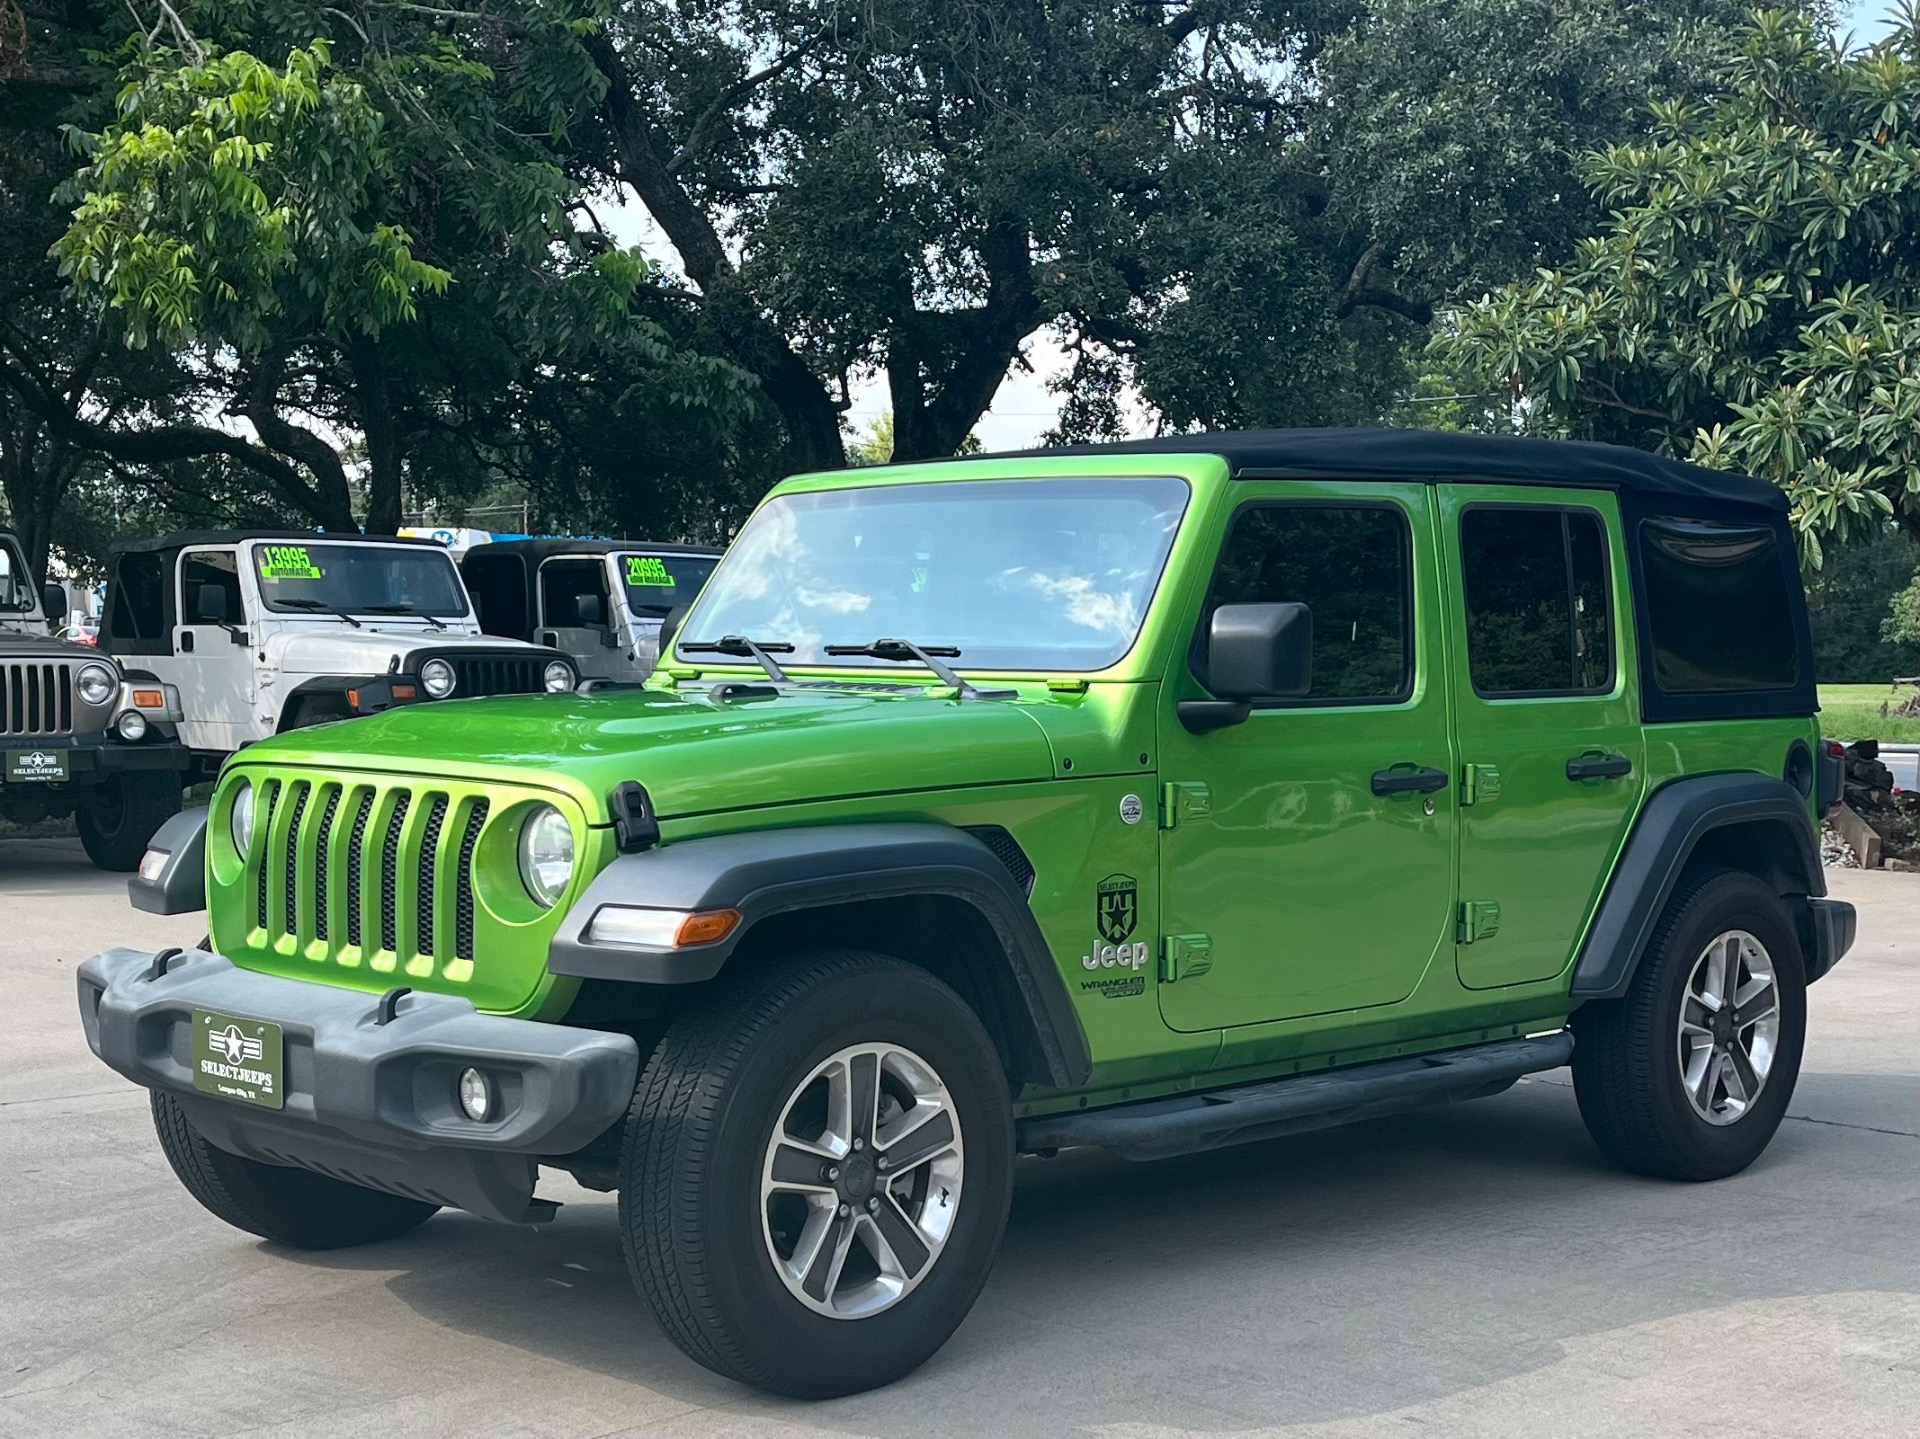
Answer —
(669, 627)
(589, 611)
(53, 602)
(210, 605)
(1253, 652)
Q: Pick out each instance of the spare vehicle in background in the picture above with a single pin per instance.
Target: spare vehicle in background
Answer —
(601, 602)
(1157, 797)
(264, 632)
(81, 736)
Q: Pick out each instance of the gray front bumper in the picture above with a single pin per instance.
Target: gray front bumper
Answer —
(373, 1104)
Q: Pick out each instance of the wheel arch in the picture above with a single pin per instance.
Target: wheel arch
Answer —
(927, 893)
(1746, 822)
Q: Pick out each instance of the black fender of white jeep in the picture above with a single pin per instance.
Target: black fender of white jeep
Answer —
(1740, 821)
(770, 873)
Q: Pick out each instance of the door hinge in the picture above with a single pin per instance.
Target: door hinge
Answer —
(1185, 956)
(1184, 799)
(1479, 919)
(1479, 784)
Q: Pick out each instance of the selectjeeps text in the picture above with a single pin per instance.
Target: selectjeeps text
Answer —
(1160, 796)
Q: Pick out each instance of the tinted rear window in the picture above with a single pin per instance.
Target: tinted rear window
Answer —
(1718, 607)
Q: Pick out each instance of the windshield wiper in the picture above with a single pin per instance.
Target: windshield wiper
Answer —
(318, 607)
(743, 648)
(402, 609)
(907, 652)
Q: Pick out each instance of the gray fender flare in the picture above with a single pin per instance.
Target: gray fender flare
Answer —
(1672, 826)
(768, 872)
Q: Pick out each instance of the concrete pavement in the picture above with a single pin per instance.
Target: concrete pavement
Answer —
(1475, 1271)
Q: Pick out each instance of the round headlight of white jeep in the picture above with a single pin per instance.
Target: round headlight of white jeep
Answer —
(559, 677)
(437, 677)
(546, 855)
(96, 684)
(241, 822)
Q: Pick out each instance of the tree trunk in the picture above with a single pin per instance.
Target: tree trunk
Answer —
(385, 452)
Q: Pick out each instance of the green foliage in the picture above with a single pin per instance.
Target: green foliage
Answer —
(1754, 300)
(1847, 604)
(1902, 624)
(227, 193)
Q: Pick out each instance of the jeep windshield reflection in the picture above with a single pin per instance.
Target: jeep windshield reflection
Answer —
(1014, 574)
(359, 579)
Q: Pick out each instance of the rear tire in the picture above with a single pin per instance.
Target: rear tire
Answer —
(289, 1206)
(1667, 1085)
(118, 816)
(757, 1262)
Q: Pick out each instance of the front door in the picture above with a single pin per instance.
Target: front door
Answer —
(214, 668)
(575, 614)
(1309, 864)
(1546, 717)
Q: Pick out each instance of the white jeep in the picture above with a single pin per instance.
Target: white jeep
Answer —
(603, 603)
(264, 632)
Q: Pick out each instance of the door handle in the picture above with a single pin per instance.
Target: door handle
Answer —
(186, 642)
(1424, 780)
(1598, 766)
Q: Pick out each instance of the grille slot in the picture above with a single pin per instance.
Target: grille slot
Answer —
(356, 852)
(463, 883)
(263, 816)
(36, 698)
(302, 791)
(320, 844)
(389, 874)
(423, 882)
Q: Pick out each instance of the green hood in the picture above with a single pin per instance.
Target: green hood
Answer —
(695, 755)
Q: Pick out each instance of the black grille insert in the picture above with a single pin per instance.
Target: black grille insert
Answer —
(429, 847)
(302, 791)
(389, 873)
(320, 862)
(263, 808)
(356, 852)
(463, 883)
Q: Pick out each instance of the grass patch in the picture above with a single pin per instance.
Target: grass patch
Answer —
(1851, 712)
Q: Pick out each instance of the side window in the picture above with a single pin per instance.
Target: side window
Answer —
(1539, 620)
(13, 582)
(135, 604)
(1352, 566)
(563, 584)
(1717, 607)
(498, 584)
(203, 574)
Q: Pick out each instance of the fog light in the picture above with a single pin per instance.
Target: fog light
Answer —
(132, 725)
(476, 1096)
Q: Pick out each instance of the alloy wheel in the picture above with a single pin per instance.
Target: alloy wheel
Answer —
(1729, 1027)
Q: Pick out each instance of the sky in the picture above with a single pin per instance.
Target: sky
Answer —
(1023, 408)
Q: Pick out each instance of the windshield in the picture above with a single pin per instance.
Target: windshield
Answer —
(16, 593)
(1015, 574)
(359, 579)
(658, 584)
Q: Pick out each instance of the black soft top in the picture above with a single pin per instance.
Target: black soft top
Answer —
(544, 549)
(181, 539)
(1447, 455)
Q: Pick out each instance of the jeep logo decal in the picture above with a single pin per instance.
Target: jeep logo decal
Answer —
(1117, 907)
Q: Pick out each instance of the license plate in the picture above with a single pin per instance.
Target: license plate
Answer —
(24, 766)
(237, 1059)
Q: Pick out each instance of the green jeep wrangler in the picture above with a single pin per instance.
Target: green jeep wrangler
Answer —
(1158, 797)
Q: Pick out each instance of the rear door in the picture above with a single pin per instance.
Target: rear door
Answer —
(1290, 884)
(1546, 716)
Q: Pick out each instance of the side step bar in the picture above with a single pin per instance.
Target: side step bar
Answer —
(1188, 1123)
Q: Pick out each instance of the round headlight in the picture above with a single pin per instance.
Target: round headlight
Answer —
(242, 818)
(96, 684)
(132, 726)
(546, 855)
(559, 677)
(437, 677)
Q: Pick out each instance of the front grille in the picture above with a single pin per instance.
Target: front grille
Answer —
(371, 872)
(497, 674)
(36, 697)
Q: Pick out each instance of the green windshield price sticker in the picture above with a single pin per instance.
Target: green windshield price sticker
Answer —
(648, 570)
(287, 562)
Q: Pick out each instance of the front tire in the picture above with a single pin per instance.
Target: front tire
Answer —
(118, 816)
(816, 1174)
(289, 1206)
(1688, 1075)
